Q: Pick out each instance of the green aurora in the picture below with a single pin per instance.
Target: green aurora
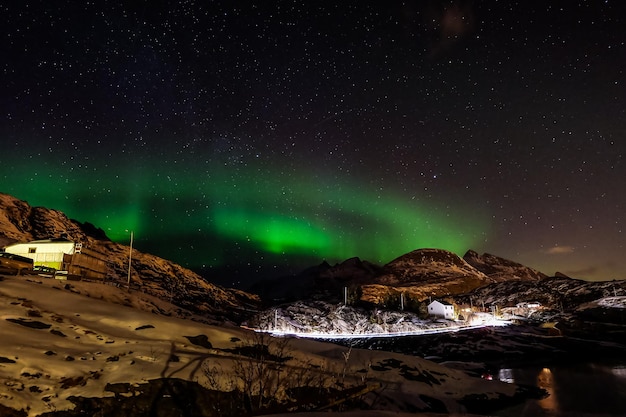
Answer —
(215, 219)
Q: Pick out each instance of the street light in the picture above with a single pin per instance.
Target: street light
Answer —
(130, 258)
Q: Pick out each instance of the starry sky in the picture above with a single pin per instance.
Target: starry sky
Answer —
(253, 139)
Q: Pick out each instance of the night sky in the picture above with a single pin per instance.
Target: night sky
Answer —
(253, 139)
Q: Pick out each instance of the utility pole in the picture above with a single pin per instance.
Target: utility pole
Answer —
(130, 259)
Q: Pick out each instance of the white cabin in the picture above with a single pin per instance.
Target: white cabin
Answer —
(531, 304)
(48, 252)
(441, 309)
(62, 255)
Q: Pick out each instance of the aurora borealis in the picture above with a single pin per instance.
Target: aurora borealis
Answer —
(256, 218)
(252, 140)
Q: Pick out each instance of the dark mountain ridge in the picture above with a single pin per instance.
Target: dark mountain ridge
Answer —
(500, 269)
(419, 274)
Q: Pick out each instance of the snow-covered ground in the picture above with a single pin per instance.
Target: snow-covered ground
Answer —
(312, 334)
(612, 302)
(322, 320)
(72, 339)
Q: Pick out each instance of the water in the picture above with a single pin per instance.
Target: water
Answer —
(578, 386)
(579, 390)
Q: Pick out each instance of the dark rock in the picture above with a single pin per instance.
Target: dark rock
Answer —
(10, 412)
(200, 340)
(33, 324)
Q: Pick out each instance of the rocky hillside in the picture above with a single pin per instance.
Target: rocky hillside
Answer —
(558, 292)
(500, 269)
(19, 222)
(577, 308)
(427, 265)
(425, 273)
(321, 319)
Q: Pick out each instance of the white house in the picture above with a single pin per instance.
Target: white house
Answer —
(63, 255)
(441, 309)
(530, 304)
(48, 252)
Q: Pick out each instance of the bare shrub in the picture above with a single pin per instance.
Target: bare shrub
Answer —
(260, 370)
(262, 376)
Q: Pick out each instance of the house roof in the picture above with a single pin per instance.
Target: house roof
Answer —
(445, 303)
(53, 240)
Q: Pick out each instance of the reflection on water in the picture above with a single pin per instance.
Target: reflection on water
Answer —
(582, 390)
(545, 381)
(619, 371)
(506, 375)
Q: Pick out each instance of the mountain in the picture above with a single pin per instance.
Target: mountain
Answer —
(19, 222)
(321, 281)
(425, 273)
(420, 274)
(427, 265)
(500, 269)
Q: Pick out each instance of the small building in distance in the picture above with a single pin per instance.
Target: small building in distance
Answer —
(529, 304)
(441, 309)
(61, 254)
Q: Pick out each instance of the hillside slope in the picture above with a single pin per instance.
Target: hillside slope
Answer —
(424, 273)
(19, 222)
(500, 269)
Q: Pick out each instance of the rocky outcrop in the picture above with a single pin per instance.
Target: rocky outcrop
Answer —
(558, 293)
(19, 222)
(430, 265)
(500, 269)
(424, 273)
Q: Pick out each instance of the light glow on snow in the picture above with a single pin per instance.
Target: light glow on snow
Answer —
(433, 330)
